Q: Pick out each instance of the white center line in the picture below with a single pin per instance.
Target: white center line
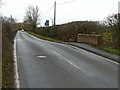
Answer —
(68, 61)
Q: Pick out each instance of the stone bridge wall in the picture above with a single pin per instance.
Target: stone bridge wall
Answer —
(90, 39)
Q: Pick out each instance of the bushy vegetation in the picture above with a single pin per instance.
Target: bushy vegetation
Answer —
(42, 37)
(8, 33)
(113, 33)
(110, 49)
(69, 31)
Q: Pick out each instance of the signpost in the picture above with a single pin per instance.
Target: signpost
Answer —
(47, 23)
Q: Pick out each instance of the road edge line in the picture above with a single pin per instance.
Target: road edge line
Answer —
(111, 60)
(16, 76)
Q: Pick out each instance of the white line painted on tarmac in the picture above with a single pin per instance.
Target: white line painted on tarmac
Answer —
(42, 56)
(69, 46)
(94, 54)
(68, 61)
(112, 61)
(16, 76)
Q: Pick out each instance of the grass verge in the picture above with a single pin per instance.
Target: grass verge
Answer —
(42, 37)
(111, 50)
(8, 35)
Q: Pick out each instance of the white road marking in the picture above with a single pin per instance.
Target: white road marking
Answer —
(95, 54)
(112, 61)
(16, 76)
(68, 61)
(42, 56)
(69, 46)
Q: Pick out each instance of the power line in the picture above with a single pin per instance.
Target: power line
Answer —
(57, 4)
(47, 11)
(55, 9)
(67, 2)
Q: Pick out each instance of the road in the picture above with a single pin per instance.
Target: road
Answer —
(44, 64)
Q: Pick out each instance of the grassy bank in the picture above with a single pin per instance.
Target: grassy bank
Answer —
(8, 34)
(42, 37)
(112, 50)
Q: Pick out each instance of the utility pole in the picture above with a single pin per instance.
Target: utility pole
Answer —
(11, 18)
(119, 7)
(55, 13)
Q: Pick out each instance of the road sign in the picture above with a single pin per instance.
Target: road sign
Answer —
(47, 23)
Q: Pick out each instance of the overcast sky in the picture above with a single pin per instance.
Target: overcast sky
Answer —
(75, 10)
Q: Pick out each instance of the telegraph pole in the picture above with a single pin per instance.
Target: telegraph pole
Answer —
(55, 13)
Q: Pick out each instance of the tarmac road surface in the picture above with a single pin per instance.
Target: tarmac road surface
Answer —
(44, 64)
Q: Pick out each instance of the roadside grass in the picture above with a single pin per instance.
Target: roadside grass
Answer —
(8, 35)
(7, 67)
(111, 50)
(42, 37)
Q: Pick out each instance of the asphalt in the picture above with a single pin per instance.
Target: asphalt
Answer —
(95, 50)
(44, 64)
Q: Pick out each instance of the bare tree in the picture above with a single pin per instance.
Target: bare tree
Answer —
(32, 17)
(111, 20)
(113, 23)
